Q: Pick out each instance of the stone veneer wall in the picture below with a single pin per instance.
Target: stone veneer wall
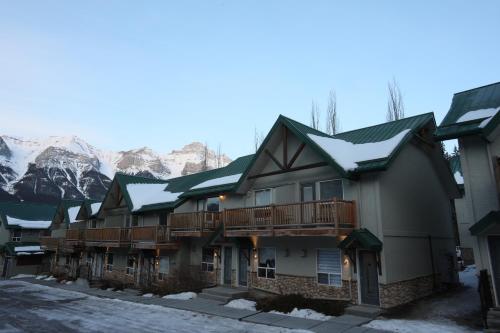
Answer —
(402, 292)
(119, 274)
(306, 286)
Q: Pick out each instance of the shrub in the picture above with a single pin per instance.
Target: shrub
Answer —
(286, 303)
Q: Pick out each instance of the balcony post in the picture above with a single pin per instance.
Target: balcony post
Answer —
(336, 214)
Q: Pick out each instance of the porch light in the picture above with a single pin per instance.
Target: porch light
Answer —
(222, 197)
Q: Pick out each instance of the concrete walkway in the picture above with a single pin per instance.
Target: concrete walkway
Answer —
(341, 324)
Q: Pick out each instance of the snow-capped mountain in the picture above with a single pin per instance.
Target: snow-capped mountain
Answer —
(68, 167)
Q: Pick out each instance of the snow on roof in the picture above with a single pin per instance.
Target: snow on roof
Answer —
(348, 154)
(149, 194)
(27, 224)
(479, 114)
(458, 178)
(28, 248)
(218, 181)
(72, 212)
(95, 207)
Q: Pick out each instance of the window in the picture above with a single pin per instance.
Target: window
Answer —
(267, 262)
(130, 265)
(135, 220)
(163, 218)
(331, 189)
(16, 235)
(263, 197)
(67, 260)
(329, 267)
(128, 221)
(200, 205)
(89, 258)
(207, 260)
(164, 267)
(213, 204)
(308, 192)
(109, 265)
(93, 224)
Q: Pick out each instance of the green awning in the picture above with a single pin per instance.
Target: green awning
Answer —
(361, 239)
(490, 220)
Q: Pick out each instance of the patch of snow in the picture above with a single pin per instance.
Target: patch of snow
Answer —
(458, 177)
(41, 277)
(23, 276)
(148, 295)
(69, 282)
(241, 303)
(30, 248)
(182, 296)
(348, 154)
(479, 114)
(95, 207)
(149, 194)
(304, 313)
(27, 224)
(417, 326)
(218, 181)
(50, 278)
(110, 289)
(72, 212)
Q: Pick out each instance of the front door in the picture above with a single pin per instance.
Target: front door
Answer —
(494, 245)
(243, 267)
(228, 258)
(368, 274)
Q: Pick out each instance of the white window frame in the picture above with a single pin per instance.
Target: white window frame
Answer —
(91, 258)
(271, 195)
(318, 187)
(109, 267)
(329, 273)
(163, 275)
(206, 263)
(266, 268)
(15, 238)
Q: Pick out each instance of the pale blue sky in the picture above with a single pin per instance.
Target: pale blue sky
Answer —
(126, 74)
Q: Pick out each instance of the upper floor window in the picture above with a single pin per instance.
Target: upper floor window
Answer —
(263, 197)
(135, 220)
(331, 189)
(16, 235)
(93, 224)
(308, 192)
(163, 218)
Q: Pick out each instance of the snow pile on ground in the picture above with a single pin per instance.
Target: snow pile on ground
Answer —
(41, 277)
(241, 303)
(148, 295)
(23, 276)
(442, 313)
(181, 296)
(348, 154)
(219, 181)
(479, 114)
(83, 313)
(304, 313)
(69, 282)
(27, 224)
(149, 194)
(50, 278)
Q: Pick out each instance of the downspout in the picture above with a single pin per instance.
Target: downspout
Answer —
(432, 263)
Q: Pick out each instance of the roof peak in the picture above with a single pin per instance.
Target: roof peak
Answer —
(480, 87)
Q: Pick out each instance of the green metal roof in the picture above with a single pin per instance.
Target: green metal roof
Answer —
(362, 239)
(10, 247)
(64, 205)
(490, 220)
(25, 211)
(474, 99)
(370, 134)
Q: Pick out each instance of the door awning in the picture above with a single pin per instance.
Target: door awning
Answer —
(486, 223)
(361, 239)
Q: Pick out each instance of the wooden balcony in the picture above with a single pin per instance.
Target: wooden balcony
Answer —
(110, 237)
(151, 237)
(196, 224)
(314, 218)
(50, 243)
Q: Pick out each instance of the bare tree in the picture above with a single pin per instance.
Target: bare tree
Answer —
(219, 157)
(332, 121)
(315, 115)
(395, 105)
(258, 138)
(204, 162)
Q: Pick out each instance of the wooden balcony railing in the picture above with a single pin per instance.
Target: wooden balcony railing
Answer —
(50, 243)
(115, 235)
(196, 222)
(75, 235)
(336, 217)
(154, 234)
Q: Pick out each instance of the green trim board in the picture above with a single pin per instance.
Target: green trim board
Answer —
(25, 211)
(485, 97)
(487, 222)
(361, 239)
